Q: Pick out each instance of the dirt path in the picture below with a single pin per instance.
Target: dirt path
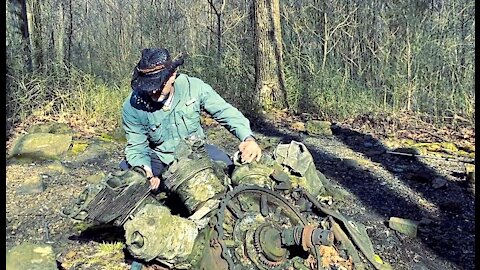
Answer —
(380, 186)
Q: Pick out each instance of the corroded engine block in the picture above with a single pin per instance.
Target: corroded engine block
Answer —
(264, 216)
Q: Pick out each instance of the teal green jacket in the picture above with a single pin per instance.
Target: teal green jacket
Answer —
(148, 126)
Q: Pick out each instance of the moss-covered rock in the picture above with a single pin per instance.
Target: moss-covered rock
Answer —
(51, 127)
(94, 152)
(318, 128)
(405, 226)
(32, 257)
(78, 147)
(42, 146)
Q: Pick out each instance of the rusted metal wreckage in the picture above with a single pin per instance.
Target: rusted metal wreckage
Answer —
(264, 215)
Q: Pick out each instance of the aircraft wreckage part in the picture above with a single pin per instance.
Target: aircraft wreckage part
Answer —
(252, 232)
(113, 199)
(76, 210)
(253, 174)
(297, 159)
(356, 231)
(347, 244)
(194, 181)
(269, 242)
(155, 233)
(306, 236)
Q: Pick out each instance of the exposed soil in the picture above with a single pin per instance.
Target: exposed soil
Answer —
(381, 185)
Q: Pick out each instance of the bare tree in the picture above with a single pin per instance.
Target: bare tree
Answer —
(68, 55)
(25, 33)
(269, 74)
(218, 12)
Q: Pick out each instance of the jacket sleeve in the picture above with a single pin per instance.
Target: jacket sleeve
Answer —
(136, 150)
(224, 113)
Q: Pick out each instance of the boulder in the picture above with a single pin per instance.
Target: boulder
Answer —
(32, 257)
(51, 127)
(32, 185)
(351, 164)
(405, 226)
(318, 128)
(41, 146)
(94, 153)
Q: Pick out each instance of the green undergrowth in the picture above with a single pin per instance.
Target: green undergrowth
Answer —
(329, 93)
(72, 92)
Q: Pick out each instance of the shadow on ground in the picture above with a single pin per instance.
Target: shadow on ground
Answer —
(100, 234)
(450, 234)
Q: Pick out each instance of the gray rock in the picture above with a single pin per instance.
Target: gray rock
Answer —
(350, 163)
(439, 182)
(95, 153)
(51, 127)
(32, 185)
(32, 257)
(41, 146)
(57, 166)
(405, 226)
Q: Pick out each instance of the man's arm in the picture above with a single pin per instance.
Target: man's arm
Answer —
(224, 113)
(234, 120)
(136, 150)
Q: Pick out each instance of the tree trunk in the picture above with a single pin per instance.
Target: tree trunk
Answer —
(218, 12)
(68, 55)
(36, 31)
(25, 34)
(269, 74)
(219, 37)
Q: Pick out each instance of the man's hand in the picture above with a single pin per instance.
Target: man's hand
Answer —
(250, 150)
(154, 183)
(154, 180)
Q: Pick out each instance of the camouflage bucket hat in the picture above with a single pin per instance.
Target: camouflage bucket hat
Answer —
(154, 69)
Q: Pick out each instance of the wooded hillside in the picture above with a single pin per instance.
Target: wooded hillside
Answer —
(333, 58)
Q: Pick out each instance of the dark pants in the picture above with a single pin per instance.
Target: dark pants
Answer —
(158, 166)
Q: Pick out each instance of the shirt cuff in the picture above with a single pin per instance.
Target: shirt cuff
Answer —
(242, 135)
(249, 136)
(147, 169)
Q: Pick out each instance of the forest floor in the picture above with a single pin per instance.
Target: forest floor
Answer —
(433, 191)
